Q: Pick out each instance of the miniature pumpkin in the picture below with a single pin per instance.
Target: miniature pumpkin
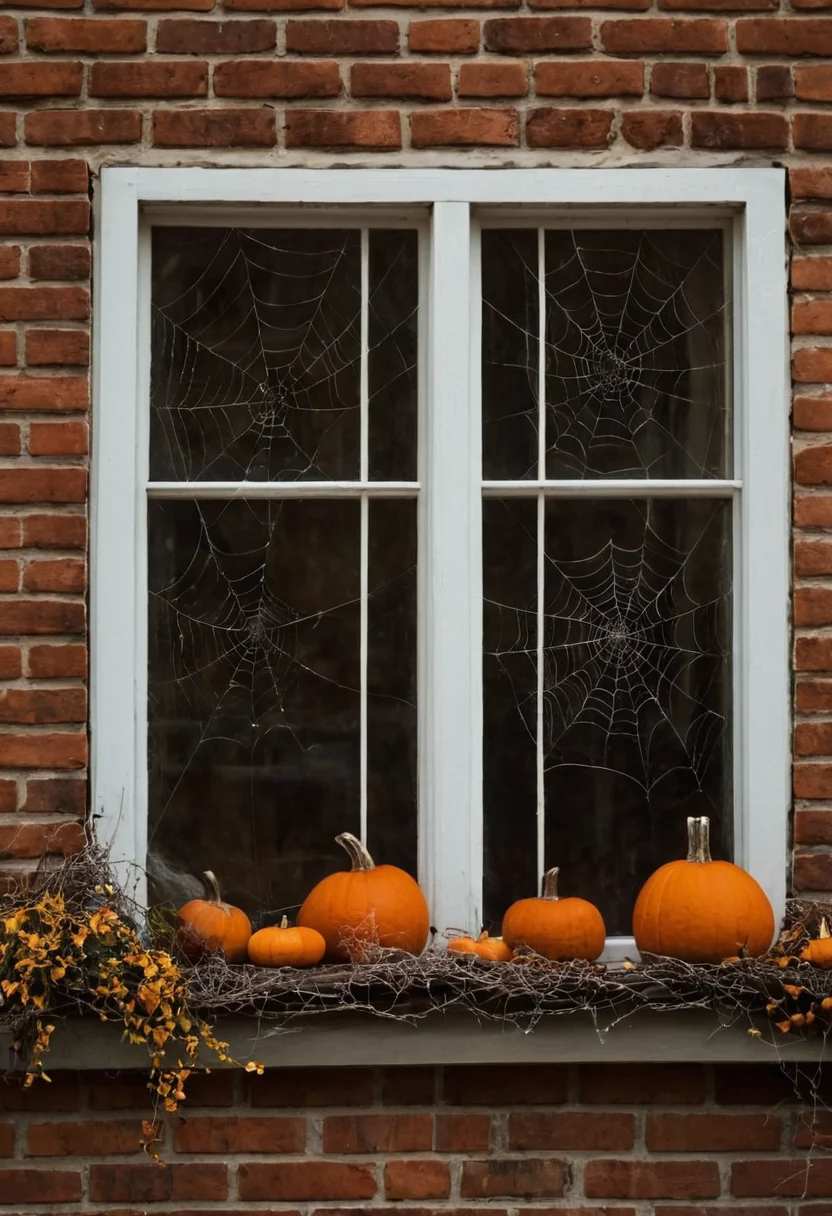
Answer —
(819, 950)
(379, 904)
(493, 949)
(210, 924)
(280, 946)
(556, 928)
(702, 911)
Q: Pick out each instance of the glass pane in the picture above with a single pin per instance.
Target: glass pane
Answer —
(636, 359)
(254, 701)
(393, 338)
(637, 697)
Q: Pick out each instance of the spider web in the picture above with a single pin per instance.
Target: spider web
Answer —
(255, 605)
(635, 354)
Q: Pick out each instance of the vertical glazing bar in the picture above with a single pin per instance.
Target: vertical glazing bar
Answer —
(365, 517)
(541, 538)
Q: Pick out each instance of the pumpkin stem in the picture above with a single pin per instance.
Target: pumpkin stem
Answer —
(550, 883)
(211, 878)
(284, 924)
(360, 858)
(699, 842)
(823, 932)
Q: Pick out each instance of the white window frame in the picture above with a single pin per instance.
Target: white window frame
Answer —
(751, 202)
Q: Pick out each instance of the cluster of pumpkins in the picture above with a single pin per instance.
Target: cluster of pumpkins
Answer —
(697, 910)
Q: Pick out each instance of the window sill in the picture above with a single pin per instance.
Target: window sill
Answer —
(455, 1038)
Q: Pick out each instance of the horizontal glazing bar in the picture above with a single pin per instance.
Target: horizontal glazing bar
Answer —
(636, 488)
(282, 489)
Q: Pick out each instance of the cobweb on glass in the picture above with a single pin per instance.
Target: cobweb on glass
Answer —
(635, 359)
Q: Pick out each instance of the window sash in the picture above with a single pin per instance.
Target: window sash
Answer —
(450, 487)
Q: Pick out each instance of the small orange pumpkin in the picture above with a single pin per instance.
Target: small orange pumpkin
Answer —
(819, 950)
(492, 949)
(280, 946)
(555, 928)
(702, 911)
(211, 925)
(370, 903)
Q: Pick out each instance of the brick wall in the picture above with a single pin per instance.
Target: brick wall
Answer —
(499, 1140)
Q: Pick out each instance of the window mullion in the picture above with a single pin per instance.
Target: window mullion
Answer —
(450, 837)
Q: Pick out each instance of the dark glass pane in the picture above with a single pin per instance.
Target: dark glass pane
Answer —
(393, 341)
(391, 684)
(636, 378)
(254, 712)
(255, 362)
(509, 705)
(637, 690)
(510, 329)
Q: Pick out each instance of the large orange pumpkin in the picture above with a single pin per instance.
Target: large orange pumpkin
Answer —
(379, 904)
(556, 928)
(702, 911)
(211, 925)
(492, 949)
(281, 946)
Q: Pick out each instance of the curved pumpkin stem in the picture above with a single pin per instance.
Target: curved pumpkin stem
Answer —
(284, 924)
(211, 878)
(550, 884)
(359, 857)
(699, 839)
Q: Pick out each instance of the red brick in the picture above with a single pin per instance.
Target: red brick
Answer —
(60, 177)
(810, 227)
(86, 36)
(492, 80)
(270, 78)
(784, 36)
(683, 1209)
(157, 1182)
(774, 83)
(42, 485)
(9, 439)
(572, 1131)
(417, 1180)
(152, 79)
(39, 1186)
(467, 4)
(812, 131)
(554, 128)
(452, 37)
(9, 576)
(128, 1090)
(304, 1180)
(58, 438)
(812, 827)
(9, 261)
(651, 1180)
(240, 1135)
(715, 129)
(813, 871)
(41, 80)
(342, 37)
(730, 83)
(813, 606)
(377, 1133)
(812, 317)
(66, 575)
(11, 667)
(420, 81)
(88, 1139)
(39, 216)
(463, 1133)
(639, 1084)
(42, 707)
(812, 781)
(802, 1177)
(8, 803)
(590, 78)
(8, 36)
(814, 695)
(630, 6)
(461, 127)
(523, 1178)
(301, 1087)
(58, 662)
(813, 739)
(53, 347)
(23, 841)
(214, 128)
(665, 35)
(197, 6)
(650, 129)
(813, 466)
(14, 177)
(506, 1085)
(812, 274)
(8, 349)
(272, 6)
(41, 616)
(408, 1086)
(670, 1133)
(197, 36)
(60, 1095)
(813, 654)
(814, 182)
(60, 262)
(8, 129)
(55, 531)
(718, 6)
(74, 128)
(343, 129)
(813, 1128)
(680, 80)
(537, 35)
(812, 365)
(56, 796)
(52, 393)
(10, 534)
